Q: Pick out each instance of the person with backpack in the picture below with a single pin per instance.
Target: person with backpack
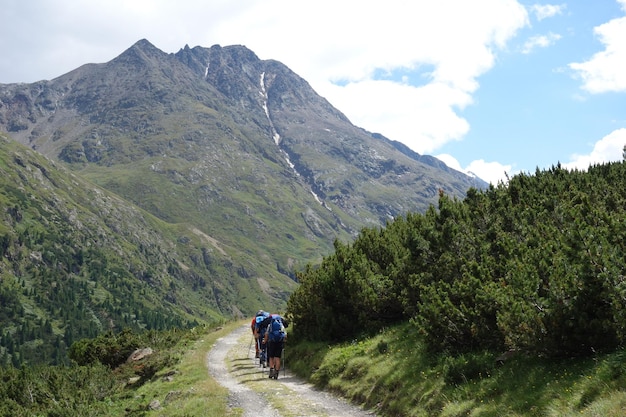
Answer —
(255, 333)
(275, 337)
(262, 321)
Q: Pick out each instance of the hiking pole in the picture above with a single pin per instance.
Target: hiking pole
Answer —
(284, 364)
(261, 356)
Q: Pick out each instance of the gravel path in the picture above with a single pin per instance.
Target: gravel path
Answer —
(231, 362)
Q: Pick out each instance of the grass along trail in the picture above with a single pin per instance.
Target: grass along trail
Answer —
(231, 362)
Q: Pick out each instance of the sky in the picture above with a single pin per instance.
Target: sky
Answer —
(492, 87)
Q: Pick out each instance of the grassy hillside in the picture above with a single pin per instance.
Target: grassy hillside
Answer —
(78, 261)
(175, 373)
(394, 374)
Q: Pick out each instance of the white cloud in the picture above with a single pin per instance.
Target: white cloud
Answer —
(359, 40)
(605, 71)
(421, 117)
(607, 149)
(543, 11)
(323, 41)
(540, 41)
(492, 172)
(450, 161)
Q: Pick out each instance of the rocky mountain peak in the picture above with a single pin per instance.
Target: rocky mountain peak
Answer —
(142, 53)
(242, 148)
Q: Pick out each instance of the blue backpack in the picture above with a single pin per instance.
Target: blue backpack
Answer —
(276, 329)
(261, 321)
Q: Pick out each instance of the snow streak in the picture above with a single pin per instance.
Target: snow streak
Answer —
(273, 131)
(277, 138)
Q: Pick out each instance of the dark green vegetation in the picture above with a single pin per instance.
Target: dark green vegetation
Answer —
(534, 269)
(535, 266)
(105, 384)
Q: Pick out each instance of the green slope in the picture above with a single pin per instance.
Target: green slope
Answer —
(78, 260)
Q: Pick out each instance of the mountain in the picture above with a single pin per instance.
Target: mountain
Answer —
(236, 156)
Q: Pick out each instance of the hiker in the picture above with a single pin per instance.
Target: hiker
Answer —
(275, 337)
(260, 328)
(255, 333)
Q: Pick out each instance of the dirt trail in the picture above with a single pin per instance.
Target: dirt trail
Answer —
(231, 362)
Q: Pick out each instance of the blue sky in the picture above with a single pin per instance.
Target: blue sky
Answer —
(533, 109)
(488, 86)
